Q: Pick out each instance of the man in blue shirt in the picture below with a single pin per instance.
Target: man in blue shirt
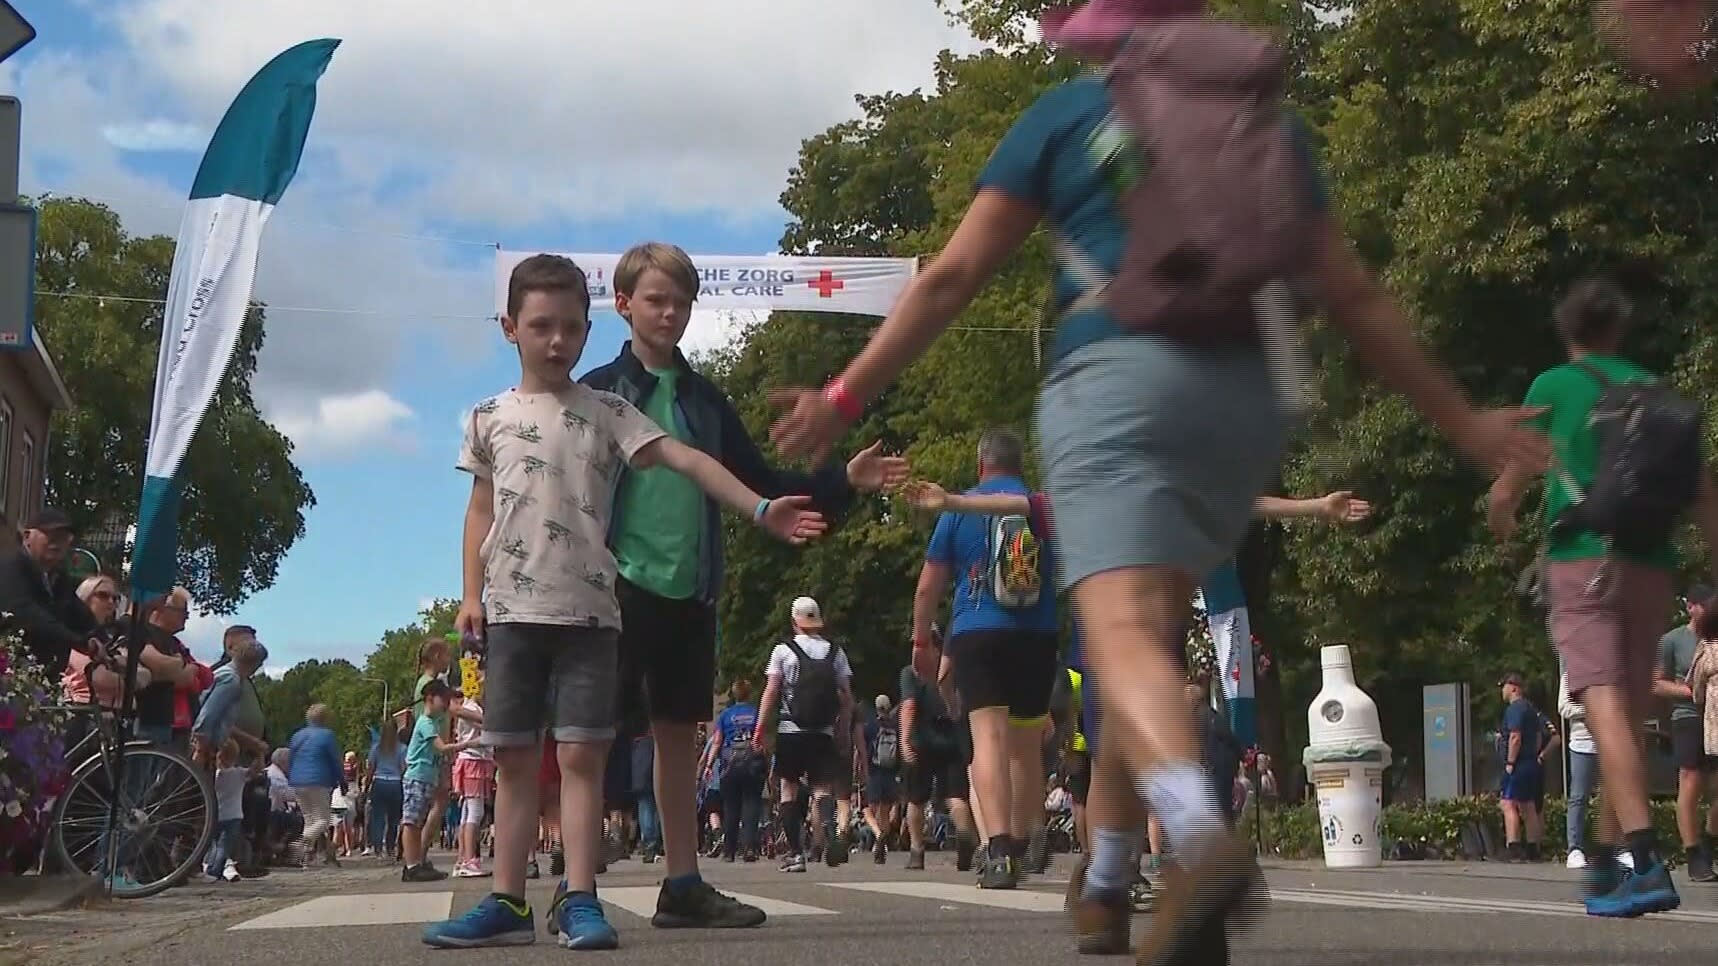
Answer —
(1003, 651)
(1523, 770)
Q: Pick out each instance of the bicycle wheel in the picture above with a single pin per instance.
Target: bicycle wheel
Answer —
(167, 818)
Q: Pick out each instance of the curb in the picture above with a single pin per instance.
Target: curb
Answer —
(35, 895)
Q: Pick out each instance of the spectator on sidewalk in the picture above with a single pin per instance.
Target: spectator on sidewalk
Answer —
(1522, 737)
(1694, 766)
(40, 600)
(1583, 771)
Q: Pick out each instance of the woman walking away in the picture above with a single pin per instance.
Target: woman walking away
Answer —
(314, 773)
(1187, 345)
(386, 767)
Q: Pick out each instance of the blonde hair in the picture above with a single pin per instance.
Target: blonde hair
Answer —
(316, 713)
(670, 260)
(93, 581)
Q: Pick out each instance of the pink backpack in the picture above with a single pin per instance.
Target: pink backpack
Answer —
(1218, 222)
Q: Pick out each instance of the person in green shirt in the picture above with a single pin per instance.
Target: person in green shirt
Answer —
(1606, 609)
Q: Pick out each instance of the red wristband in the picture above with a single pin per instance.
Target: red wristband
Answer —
(845, 404)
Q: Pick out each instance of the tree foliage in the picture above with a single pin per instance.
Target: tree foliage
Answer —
(244, 500)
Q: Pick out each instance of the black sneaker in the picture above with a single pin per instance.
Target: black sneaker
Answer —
(531, 870)
(880, 852)
(422, 873)
(836, 854)
(702, 907)
(1000, 872)
(558, 862)
(916, 860)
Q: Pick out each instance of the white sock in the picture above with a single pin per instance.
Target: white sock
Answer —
(1180, 795)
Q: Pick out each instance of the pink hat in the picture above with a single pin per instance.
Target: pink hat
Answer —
(1096, 26)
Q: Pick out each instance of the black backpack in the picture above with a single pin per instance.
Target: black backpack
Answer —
(815, 701)
(1649, 466)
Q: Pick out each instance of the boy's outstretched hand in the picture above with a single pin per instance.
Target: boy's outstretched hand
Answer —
(869, 470)
(791, 519)
(925, 495)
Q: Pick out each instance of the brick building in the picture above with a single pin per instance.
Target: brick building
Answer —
(30, 391)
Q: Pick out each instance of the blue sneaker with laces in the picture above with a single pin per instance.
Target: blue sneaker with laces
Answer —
(493, 922)
(1638, 894)
(579, 919)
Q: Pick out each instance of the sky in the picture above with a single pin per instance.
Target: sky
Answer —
(443, 129)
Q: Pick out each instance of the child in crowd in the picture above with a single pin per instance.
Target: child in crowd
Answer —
(424, 759)
(230, 780)
(539, 589)
(1703, 677)
(473, 773)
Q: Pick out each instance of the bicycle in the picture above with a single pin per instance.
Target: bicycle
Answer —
(155, 851)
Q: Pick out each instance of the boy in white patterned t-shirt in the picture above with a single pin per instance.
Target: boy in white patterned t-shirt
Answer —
(539, 585)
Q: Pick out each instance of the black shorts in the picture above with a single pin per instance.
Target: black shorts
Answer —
(1688, 745)
(806, 754)
(617, 794)
(938, 774)
(1005, 669)
(667, 659)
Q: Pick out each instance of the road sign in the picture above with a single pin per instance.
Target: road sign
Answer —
(15, 31)
(17, 276)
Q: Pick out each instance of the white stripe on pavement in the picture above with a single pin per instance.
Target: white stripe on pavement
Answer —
(375, 909)
(1018, 900)
(641, 902)
(1430, 903)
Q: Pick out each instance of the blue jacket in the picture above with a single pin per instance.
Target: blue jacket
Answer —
(315, 759)
(220, 705)
(716, 429)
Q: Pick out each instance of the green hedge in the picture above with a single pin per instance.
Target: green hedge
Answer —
(1452, 829)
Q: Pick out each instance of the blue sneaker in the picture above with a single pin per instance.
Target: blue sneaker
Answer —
(1639, 894)
(1602, 875)
(578, 917)
(493, 922)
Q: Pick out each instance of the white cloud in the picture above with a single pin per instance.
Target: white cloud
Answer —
(155, 134)
(512, 116)
(344, 424)
(202, 634)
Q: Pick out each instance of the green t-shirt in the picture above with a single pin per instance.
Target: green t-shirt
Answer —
(418, 694)
(660, 535)
(423, 762)
(1570, 392)
(1675, 656)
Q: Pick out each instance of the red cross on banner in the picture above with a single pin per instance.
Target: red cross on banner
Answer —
(826, 284)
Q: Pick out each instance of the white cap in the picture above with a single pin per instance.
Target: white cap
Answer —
(806, 613)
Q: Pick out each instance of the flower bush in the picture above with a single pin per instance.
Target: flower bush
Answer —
(1459, 828)
(32, 750)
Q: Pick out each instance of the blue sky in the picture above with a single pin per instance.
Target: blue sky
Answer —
(541, 128)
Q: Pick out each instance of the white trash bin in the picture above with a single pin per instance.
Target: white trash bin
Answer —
(1350, 812)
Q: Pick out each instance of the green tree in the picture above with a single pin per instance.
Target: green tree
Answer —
(244, 500)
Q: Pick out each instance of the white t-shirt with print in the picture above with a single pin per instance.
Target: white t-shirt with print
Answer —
(554, 460)
(464, 730)
(786, 663)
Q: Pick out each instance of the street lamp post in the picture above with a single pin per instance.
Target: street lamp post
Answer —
(383, 720)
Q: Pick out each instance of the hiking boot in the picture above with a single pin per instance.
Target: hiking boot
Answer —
(1191, 925)
(1001, 872)
(964, 851)
(916, 861)
(1700, 864)
(1102, 924)
(700, 906)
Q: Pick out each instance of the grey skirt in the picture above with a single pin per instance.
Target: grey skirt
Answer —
(1154, 452)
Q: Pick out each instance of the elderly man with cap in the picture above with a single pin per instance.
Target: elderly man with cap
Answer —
(1694, 768)
(40, 600)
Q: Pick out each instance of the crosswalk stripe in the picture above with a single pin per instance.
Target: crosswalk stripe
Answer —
(375, 909)
(641, 902)
(1017, 900)
(1426, 903)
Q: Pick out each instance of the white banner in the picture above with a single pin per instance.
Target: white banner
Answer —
(790, 283)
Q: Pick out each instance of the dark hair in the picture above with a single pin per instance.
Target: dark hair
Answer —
(1706, 626)
(546, 273)
(237, 630)
(1594, 313)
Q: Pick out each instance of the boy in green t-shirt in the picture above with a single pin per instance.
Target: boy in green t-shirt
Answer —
(1606, 609)
(425, 757)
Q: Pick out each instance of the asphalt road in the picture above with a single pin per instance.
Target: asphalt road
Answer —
(1404, 914)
